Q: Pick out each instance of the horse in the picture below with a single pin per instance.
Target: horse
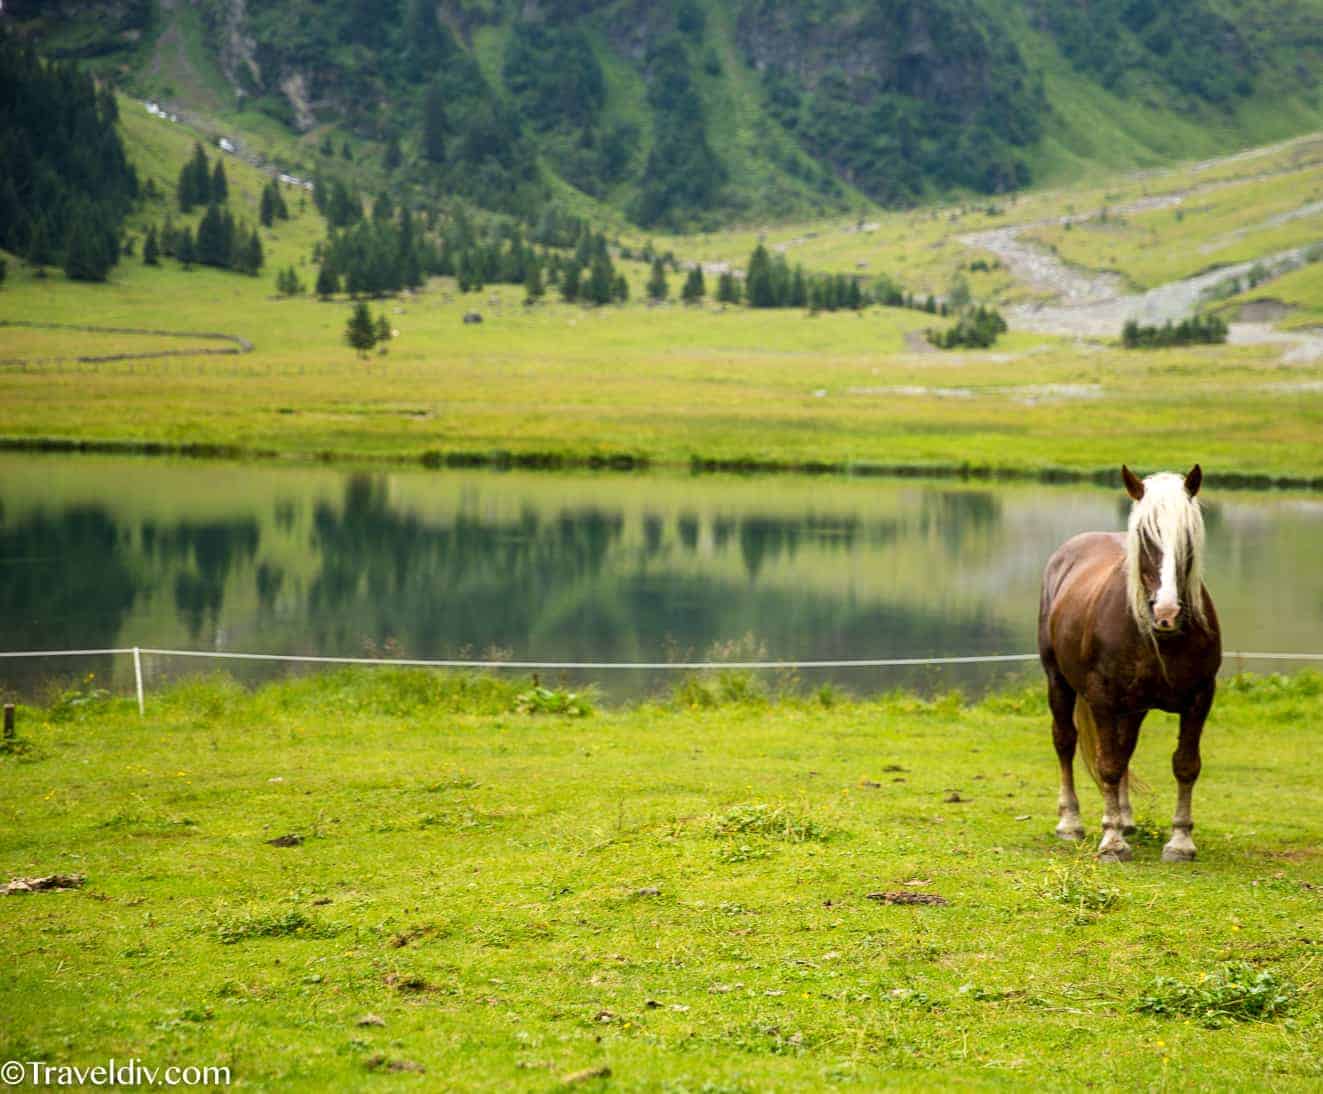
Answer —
(1125, 626)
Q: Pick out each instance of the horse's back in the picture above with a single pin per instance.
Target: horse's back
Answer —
(1074, 579)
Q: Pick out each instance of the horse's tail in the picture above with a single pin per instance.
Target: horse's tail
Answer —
(1086, 737)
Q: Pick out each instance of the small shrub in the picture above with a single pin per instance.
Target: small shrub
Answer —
(540, 700)
(976, 329)
(78, 698)
(1233, 992)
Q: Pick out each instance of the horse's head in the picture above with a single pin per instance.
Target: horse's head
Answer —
(1164, 550)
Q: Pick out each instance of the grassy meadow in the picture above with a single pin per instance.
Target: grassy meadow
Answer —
(688, 892)
(674, 384)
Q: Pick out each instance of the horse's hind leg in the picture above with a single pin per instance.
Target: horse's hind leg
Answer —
(1185, 765)
(1061, 698)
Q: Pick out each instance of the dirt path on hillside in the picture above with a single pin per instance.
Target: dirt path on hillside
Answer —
(1094, 304)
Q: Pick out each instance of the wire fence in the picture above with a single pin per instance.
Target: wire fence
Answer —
(577, 666)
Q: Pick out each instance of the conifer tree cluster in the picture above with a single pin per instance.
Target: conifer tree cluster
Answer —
(288, 282)
(977, 328)
(1207, 329)
(219, 241)
(589, 275)
(770, 283)
(272, 207)
(374, 257)
(200, 183)
(65, 182)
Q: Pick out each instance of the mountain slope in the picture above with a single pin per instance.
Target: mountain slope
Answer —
(684, 114)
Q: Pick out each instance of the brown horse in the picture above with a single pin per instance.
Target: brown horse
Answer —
(1126, 626)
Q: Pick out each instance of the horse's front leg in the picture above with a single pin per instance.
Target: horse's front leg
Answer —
(1185, 765)
(1117, 736)
(1123, 799)
(1061, 698)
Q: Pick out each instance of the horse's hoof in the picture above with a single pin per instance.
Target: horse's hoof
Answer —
(1071, 835)
(1177, 854)
(1115, 854)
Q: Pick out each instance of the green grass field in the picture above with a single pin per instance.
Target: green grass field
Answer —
(679, 892)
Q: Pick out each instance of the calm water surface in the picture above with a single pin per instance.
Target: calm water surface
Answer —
(101, 552)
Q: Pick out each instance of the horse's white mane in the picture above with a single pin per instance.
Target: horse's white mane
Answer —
(1172, 520)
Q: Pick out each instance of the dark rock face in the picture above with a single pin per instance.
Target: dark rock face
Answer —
(940, 52)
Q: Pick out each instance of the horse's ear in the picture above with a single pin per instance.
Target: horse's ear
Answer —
(1193, 479)
(1133, 486)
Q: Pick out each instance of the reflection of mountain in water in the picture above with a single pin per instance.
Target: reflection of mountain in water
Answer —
(570, 587)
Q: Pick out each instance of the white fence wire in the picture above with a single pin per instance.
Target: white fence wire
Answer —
(589, 666)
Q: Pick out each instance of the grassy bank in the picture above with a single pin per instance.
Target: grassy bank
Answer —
(670, 385)
(679, 892)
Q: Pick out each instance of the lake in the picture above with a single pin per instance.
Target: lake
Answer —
(102, 552)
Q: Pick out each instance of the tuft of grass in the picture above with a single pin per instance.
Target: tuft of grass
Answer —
(776, 822)
(289, 924)
(1234, 991)
(1080, 886)
(728, 687)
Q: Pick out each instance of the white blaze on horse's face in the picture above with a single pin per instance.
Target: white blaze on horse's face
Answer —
(1167, 603)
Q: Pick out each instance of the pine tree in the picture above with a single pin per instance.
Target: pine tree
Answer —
(392, 157)
(194, 181)
(657, 286)
(267, 210)
(620, 290)
(252, 254)
(220, 187)
(360, 332)
(758, 289)
(328, 284)
(84, 257)
(798, 289)
(569, 283)
(383, 330)
(533, 286)
(212, 247)
(694, 289)
(601, 279)
(151, 250)
(184, 250)
(728, 289)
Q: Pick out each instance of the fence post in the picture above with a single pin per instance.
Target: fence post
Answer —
(9, 721)
(137, 674)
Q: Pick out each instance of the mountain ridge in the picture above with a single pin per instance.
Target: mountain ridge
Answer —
(687, 116)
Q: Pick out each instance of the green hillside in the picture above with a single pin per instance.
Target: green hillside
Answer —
(693, 114)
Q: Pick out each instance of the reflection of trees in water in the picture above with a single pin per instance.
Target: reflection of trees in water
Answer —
(65, 581)
(561, 585)
(203, 553)
(958, 515)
